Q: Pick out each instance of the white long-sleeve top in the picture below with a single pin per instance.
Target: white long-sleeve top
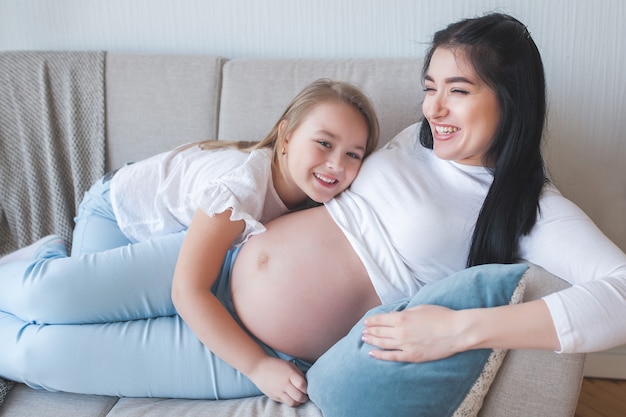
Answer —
(410, 217)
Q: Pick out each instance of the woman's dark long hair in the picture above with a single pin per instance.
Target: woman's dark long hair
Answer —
(506, 58)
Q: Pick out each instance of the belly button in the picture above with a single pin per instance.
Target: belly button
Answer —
(263, 260)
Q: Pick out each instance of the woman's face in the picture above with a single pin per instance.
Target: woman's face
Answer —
(463, 112)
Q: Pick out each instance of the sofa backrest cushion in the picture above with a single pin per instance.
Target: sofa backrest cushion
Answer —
(255, 92)
(156, 102)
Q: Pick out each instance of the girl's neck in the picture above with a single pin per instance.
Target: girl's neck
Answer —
(292, 196)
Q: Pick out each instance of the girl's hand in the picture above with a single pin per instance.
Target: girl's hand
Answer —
(281, 381)
(417, 334)
(202, 254)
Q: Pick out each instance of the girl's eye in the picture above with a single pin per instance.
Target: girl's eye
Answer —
(354, 155)
(324, 143)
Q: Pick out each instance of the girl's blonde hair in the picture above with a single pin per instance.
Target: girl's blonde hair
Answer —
(322, 90)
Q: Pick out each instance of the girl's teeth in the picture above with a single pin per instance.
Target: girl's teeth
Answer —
(326, 180)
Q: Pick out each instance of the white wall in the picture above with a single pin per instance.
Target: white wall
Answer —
(582, 43)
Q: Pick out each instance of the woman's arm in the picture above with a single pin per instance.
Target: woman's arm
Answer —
(586, 317)
(428, 332)
(565, 242)
(202, 254)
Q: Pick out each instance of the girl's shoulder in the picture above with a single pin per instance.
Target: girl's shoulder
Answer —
(227, 158)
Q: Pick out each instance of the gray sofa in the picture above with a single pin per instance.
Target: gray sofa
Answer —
(152, 103)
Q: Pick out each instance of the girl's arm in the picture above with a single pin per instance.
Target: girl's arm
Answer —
(202, 254)
(428, 332)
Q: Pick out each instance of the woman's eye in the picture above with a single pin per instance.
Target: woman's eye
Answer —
(428, 89)
(459, 91)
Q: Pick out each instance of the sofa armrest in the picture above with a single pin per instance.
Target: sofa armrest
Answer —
(536, 382)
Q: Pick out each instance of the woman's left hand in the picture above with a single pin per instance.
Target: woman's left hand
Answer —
(428, 332)
(417, 334)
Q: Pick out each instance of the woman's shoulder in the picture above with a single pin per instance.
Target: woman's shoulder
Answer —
(554, 208)
(408, 137)
(405, 144)
(553, 201)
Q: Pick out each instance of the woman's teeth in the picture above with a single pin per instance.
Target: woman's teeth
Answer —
(446, 130)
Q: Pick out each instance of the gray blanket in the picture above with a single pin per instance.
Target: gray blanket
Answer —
(52, 132)
(5, 387)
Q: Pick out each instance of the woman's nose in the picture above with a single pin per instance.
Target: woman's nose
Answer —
(434, 107)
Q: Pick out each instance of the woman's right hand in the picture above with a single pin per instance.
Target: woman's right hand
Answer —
(281, 381)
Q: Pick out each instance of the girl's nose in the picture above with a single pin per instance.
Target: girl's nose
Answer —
(335, 162)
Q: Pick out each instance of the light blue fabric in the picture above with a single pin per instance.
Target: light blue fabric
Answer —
(158, 357)
(347, 382)
(102, 321)
(106, 279)
(124, 356)
(96, 227)
(125, 283)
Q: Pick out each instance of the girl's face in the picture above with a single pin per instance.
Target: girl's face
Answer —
(322, 156)
(463, 112)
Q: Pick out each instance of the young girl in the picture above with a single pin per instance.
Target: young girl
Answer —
(216, 195)
(319, 159)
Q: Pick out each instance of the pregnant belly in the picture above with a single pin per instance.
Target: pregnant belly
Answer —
(299, 287)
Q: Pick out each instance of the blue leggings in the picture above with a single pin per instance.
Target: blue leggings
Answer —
(102, 321)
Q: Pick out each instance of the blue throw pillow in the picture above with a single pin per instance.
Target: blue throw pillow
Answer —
(347, 382)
